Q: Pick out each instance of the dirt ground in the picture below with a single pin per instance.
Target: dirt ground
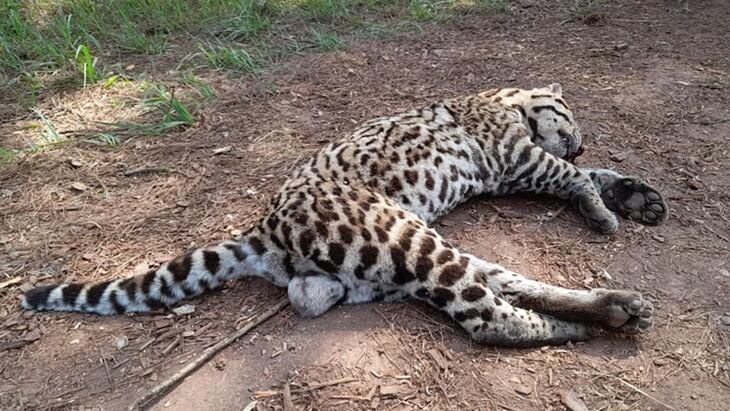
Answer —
(649, 84)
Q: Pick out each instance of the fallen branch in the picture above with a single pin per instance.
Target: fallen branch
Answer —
(209, 353)
(273, 393)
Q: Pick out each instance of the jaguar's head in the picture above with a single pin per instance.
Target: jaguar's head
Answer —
(547, 117)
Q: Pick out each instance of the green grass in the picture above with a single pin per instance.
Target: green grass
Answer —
(325, 11)
(104, 139)
(232, 57)
(47, 35)
(201, 88)
(6, 155)
(326, 41)
(48, 45)
(166, 109)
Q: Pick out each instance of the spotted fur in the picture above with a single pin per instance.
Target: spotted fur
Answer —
(352, 225)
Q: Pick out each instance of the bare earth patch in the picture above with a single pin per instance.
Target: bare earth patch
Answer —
(648, 82)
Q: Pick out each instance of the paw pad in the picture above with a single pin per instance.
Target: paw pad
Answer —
(633, 199)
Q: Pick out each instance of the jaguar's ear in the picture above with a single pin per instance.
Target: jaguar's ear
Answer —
(556, 88)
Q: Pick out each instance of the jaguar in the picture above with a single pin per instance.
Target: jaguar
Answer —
(354, 224)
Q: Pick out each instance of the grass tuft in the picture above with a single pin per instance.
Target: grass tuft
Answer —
(324, 11)
(86, 64)
(326, 41)
(105, 139)
(230, 57)
(7, 155)
(49, 136)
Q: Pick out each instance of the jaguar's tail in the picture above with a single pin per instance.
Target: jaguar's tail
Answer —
(185, 276)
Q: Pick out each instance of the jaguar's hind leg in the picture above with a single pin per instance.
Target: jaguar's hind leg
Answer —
(491, 319)
(619, 310)
(630, 197)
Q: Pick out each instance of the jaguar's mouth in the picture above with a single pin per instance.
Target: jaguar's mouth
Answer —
(571, 157)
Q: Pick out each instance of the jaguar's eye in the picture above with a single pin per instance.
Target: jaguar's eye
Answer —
(565, 136)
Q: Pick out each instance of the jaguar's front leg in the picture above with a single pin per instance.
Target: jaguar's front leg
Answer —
(630, 197)
(537, 171)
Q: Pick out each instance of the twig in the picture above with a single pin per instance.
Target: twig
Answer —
(639, 390)
(556, 214)
(106, 368)
(172, 345)
(325, 384)
(209, 353)
(288, 404)
(271, 393)
(155, 169)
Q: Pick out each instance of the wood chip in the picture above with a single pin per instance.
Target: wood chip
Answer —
(12, 281)
(438, 358)
(222, 150)
(13, 345)
(619, 157)
(395, 390)
(172, 345)
(184, 309)
(523, 389)
(79, 186)
(571, 401)
(251, 406)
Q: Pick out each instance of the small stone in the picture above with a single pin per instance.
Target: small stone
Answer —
(87, 257)
(34, 335)
(74, 342)
(621, 46)
(523, 389)
(75, 163)
(236, 232)
(120, 342)
(184, 309)
(725, 273)
(250, 193)
(660, 362)
(183, 203)
(79, 186)
(725, 320)
(619, 157)
(693, 396)
(658, 238)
